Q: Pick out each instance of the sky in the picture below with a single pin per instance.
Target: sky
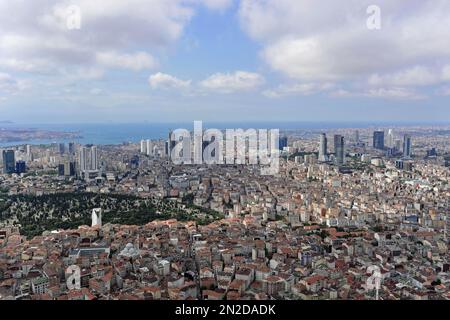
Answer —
(224, 60)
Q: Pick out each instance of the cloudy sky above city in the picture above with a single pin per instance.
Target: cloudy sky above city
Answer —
(224, 60)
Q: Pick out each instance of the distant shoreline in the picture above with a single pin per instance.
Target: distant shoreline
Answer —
(117, 133)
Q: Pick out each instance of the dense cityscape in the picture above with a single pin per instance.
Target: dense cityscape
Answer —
(207, 159)
(137, 226)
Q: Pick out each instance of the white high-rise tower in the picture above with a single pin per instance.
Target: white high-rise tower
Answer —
(143, 146)
(97, 217)
(390, 139)
(94, 158)
(149, 147)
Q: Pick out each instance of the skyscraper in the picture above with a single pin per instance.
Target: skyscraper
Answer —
(21, 167)
(9, 161)
(397, 145)
(171, 144)
(166, 149)
(62, 148)
(283, 142)
(94, 158)
(390, 139)
(29, 154)
(143, 146)
(69, 170)
(378, 140)
(72, 148)
(339, 147)
(407, 146)
(356, 136)
(61, 169)
(149, 147)
(323, 157)
(88, 159)
(84, 159)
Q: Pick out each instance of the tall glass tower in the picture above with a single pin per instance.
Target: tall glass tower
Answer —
(339, 148)
(9, 161)
(378, 140)
(407, 146)
(323, 148)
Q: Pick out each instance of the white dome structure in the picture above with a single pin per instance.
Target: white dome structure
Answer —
(129, 251)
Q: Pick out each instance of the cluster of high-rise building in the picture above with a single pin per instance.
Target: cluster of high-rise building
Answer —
(76, 160)
(148, 148)
(391, 147)
(339, 149)
(10, 164)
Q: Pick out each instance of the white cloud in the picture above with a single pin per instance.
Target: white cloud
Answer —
(446, 73)
(81, 73)
(96, 91)
(34, 35)
(165, 81)
(328, 40)
(392, 93)
(217, 4)
(9, 84)
(415, 76)
(444, 91)
(136, 62)
(21, 65)
(342, 93)
(302, 89)
(395, 93)
(233, 82)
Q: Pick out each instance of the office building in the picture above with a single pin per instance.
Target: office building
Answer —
(62, 148)
(61, 169)
(398, 145)
(447, 160)
(21, 167)
(432, 153)
(83, 159)
(69, 168)
(143, 146)
(29, 155)
(171, 144)
(404, 165)
(356, 136)
(72, 148)
(94, 158)
(166, 148)
(378, 140)
(149, 147)
(407, 146)
(9, 161)
(323, 156)
(283, 142)
(339, 149)
(88, 159)
(390, 139)
(66, 169)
